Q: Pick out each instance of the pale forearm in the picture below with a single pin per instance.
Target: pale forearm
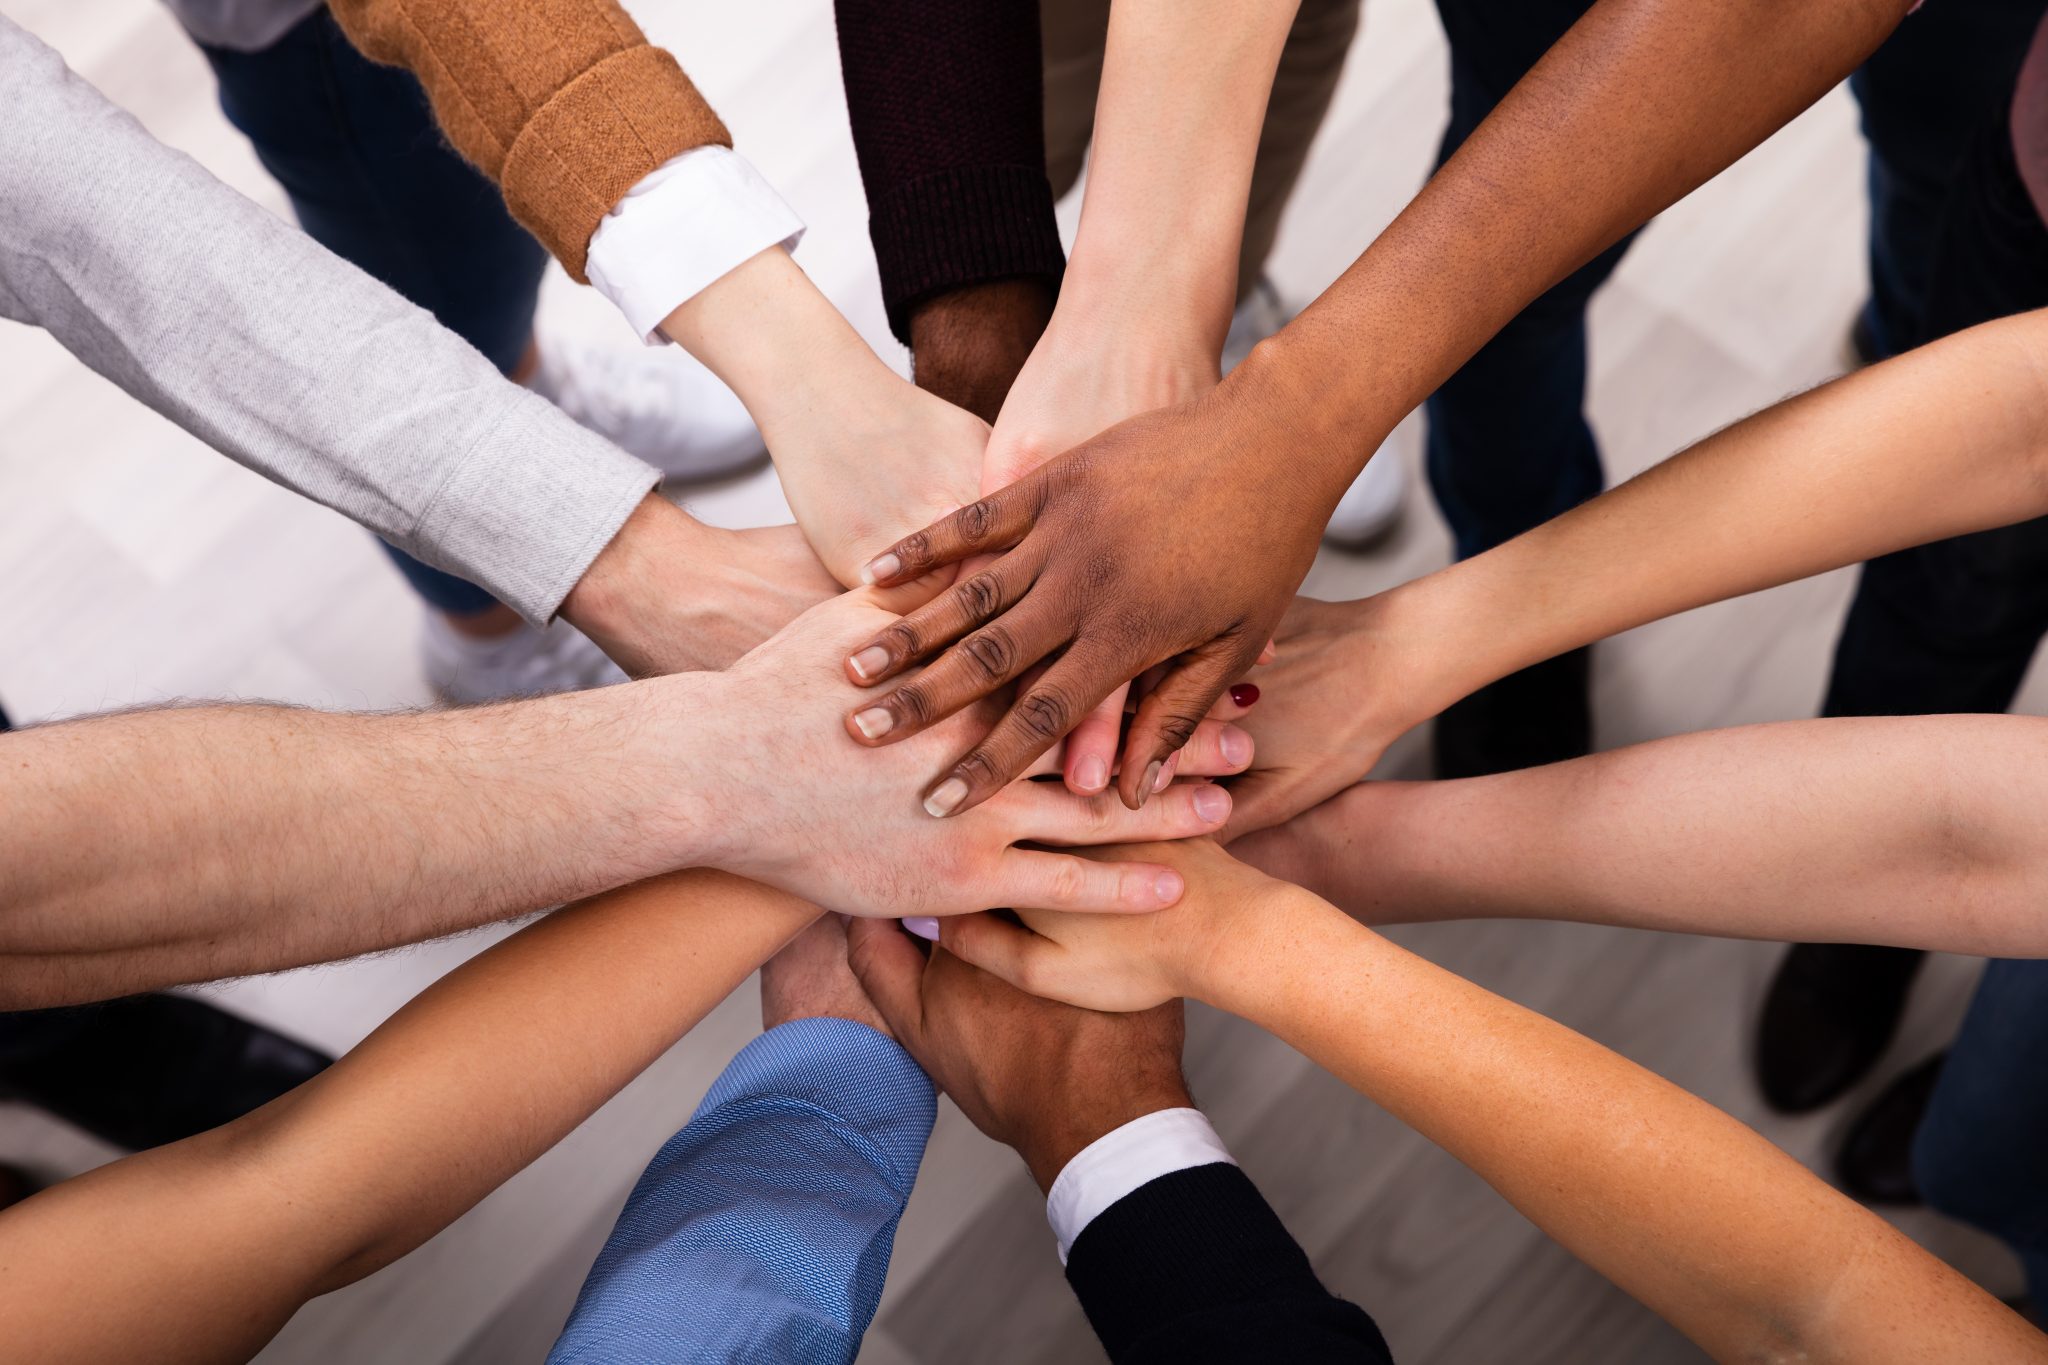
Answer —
(1917, 831)
(187, 844)
(1639, 103)
(205, 1248)
(1183, 96)
(1947, 439)
(1680, 1205)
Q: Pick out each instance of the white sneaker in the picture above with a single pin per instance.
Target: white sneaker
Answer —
(1372, 506)
(658, 403)
(1262, 313)
(527, 663)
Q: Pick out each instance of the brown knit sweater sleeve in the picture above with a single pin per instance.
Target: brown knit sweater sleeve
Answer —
(563, 102)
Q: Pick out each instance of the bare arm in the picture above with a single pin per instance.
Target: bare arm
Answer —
(202, 1250)
(1920, 831)
(1733, 1242)
(1949, 438)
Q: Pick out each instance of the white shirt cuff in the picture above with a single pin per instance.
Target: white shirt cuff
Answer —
(1118, 1162)
(685, 224)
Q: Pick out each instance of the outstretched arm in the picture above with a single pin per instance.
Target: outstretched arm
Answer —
(1733, 1242)
(202, 1250)
(1949, 438)
(1920, 831)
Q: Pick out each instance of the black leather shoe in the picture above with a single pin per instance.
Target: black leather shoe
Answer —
(1875, 1163)
(1540, 715)
(148, 1069)
(1829, 1015)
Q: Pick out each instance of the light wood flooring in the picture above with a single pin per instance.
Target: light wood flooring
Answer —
(138, 565)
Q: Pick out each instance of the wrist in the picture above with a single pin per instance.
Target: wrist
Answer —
(1177, 305)
(968, 345)
(1264, 941)
(1059, 1131)
(625, 600)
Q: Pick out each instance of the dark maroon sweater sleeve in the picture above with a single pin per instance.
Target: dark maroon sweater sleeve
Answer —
(946, 99)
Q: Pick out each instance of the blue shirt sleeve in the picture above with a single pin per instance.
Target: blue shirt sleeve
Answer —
(762, 1231)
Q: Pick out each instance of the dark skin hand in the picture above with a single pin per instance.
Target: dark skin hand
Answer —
(1200, 596)
(1180, 535)
(1044, 1078)
(968, 345)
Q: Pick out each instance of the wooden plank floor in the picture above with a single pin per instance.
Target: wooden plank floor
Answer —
(137, 565)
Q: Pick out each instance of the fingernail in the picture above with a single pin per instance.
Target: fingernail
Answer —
(875, 722)
(941, 802)
(1092, 775)
(1212, 803)
(924, 926)
(1244, 694)
(872, 660)
(1155, 778)
(881, 567)
(1237, 746)
(1167, 886)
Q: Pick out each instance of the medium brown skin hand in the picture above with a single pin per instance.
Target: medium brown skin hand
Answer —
(1157, 542)
(967, 346)
(1044, 1078)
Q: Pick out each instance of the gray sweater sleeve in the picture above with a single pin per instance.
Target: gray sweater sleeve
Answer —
(285, 358)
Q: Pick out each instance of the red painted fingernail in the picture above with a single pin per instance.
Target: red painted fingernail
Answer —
(1244, 694)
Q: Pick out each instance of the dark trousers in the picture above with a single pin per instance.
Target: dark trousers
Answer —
(370, 178)
(1508, 445)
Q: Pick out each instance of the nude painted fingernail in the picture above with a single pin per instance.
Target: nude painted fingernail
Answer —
(924, 926)
(881, 567)
(1244, 694)
(869, 662)
(875, 722)
(949, 795)
(1211, 803)
(1236, 745)
(1167, 886)
(1155, 778)
(1092, 775)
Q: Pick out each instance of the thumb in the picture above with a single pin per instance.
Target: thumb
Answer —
(890, 969)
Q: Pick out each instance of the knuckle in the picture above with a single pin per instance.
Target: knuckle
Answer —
(1101, 571)
(912, 704)
(1045, 713)
(992, 653)
(976, 521)
(980, 597)
(1177, 730)
(915, 548)
(1065, 887)
(978, 768)
(902, 641)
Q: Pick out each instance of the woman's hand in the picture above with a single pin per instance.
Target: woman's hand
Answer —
(1132, 962)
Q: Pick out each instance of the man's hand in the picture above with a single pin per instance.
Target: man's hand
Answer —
(967, 346)
(1044, 1078)
(671, 595)
(1162, 541)
(805, 810)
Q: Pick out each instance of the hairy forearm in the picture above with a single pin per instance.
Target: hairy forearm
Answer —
(1917, 831)
(1639, 103)
(187, 844)
(205, 1248)
(1693, 1213)
(1947, 439)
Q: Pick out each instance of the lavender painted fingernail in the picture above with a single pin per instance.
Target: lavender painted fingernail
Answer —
(924, 926)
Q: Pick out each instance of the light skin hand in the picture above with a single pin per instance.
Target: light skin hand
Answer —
(672, 595)
(863, 454)
(1044, 1078)
(811, 813)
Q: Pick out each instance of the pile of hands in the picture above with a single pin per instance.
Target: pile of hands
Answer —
(1003, 666)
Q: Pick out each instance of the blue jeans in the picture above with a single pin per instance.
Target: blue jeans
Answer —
(370, 178)
(1981, 1150)
(1508, 445)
